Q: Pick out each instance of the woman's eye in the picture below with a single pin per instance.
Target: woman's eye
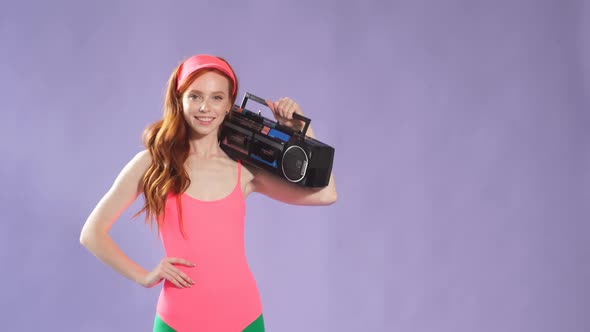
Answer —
(218, 98)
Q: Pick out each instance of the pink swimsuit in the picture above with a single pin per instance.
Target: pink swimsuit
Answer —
(225, 296)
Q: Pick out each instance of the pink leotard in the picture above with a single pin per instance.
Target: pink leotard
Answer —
(225, 296)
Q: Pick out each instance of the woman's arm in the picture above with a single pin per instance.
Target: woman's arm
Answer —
(276, 188)
(94, 235)
(281, 190)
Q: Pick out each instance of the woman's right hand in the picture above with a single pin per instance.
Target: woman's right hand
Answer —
(167, 270)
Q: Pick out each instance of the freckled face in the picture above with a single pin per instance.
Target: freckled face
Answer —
(206, 102)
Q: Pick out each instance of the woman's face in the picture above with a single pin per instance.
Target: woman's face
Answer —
(205, 103)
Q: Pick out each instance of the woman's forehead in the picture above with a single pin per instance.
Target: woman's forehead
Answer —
(209, 80)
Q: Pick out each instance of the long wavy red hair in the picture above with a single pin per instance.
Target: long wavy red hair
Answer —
(168, 143)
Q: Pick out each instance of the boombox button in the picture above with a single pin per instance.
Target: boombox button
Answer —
(304, 168)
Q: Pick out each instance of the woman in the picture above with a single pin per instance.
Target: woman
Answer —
(196, 194)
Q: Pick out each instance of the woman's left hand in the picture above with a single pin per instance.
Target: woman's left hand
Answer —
(283, 110)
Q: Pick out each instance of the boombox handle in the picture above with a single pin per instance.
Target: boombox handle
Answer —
(264, 102)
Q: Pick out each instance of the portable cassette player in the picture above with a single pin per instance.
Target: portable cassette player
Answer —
(280, 150)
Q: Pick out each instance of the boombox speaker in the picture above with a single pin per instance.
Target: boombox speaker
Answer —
(263, 143)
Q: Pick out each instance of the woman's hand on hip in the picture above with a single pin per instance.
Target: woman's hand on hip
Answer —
(166, 270)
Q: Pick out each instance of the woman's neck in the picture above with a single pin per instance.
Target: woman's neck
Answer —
(204, 147)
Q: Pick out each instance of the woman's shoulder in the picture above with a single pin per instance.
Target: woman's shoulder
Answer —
(141, 161)
(143, 157)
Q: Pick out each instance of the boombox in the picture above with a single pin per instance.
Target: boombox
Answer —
(258, 141)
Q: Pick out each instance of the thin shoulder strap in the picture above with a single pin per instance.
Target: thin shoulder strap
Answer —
(239, 171)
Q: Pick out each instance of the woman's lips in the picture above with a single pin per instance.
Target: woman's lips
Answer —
(204, 120)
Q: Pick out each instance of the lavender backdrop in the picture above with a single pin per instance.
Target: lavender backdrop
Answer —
(462, 156)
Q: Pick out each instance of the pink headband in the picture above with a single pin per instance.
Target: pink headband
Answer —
(201, 61)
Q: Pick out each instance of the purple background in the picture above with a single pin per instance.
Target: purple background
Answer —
(462, 157)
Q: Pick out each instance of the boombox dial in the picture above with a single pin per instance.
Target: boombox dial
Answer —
(294, 163)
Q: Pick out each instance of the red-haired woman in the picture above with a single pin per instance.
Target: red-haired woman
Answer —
(196, 194)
